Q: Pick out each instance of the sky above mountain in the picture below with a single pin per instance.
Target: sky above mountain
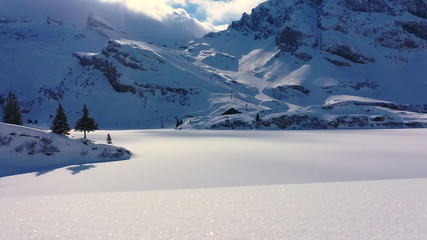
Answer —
(214, 14)
(160, 19)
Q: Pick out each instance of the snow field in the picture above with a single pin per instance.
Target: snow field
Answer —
(293, 185)
(391, 209)
(170, 159)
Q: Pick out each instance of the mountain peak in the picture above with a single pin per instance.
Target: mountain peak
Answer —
(95, 21)
(347, 32)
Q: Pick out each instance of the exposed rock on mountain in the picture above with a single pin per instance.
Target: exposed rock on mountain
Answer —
(321, 24)
(94, 21)
(297, 64)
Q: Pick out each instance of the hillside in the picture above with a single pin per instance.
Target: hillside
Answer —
(24, 149)
(298, 64)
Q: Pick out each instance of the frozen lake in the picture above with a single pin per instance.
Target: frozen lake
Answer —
(169, 159)
(230, 185)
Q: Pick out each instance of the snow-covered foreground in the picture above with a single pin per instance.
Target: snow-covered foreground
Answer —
(169, 159)
(393, 209)
(313, 187)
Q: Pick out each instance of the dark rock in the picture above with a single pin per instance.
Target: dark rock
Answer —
(298, 122)
(303, 56)
(289, 40)
(234, 124)
(337, 62)
(396, 39)
(419, 29)
(92, 21)
(287, 91)
(350, 53)
(110, 72)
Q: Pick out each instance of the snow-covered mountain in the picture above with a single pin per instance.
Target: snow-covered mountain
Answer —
(298, 64)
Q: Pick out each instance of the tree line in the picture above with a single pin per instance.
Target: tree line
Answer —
(12, 115)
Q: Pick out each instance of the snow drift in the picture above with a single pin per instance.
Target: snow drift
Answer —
(24, 149)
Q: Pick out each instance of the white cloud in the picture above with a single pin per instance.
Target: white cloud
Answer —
(217, 14)
(224, 11)
(161, 19)
(158, 9)
(162, 11)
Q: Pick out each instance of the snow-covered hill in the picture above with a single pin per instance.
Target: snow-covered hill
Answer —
(24, 149)
(298, 64)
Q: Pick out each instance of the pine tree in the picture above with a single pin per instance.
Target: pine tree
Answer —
(109, 139)
(257, 118)
(12, 110)
(60, 123)
(86, 123)
(179, 122)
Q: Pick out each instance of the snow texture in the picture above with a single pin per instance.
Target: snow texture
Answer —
(230, 185)
(393, 209)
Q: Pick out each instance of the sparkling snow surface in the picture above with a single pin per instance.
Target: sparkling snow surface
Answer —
(393, 209)
(314, 188)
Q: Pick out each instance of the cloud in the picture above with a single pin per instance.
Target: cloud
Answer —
(209, 15)
(185, 19)
(158, 9)
(180, 19)
(223, 12)
(162, 11)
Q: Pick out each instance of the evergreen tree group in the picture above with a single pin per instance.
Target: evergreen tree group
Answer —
(12, 110)
(86, 123)
(60, 122)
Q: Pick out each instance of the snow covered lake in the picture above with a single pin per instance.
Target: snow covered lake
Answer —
(343, 184)
(169, 159)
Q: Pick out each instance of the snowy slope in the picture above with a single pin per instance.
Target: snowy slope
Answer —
(302, 53)
(25, 149)
(285, 61)
(393, 209)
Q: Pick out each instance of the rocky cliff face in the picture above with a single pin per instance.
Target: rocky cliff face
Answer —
(345, 32)
(320, 58)
(126, 56)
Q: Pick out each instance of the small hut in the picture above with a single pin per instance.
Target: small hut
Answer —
(231, 111)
